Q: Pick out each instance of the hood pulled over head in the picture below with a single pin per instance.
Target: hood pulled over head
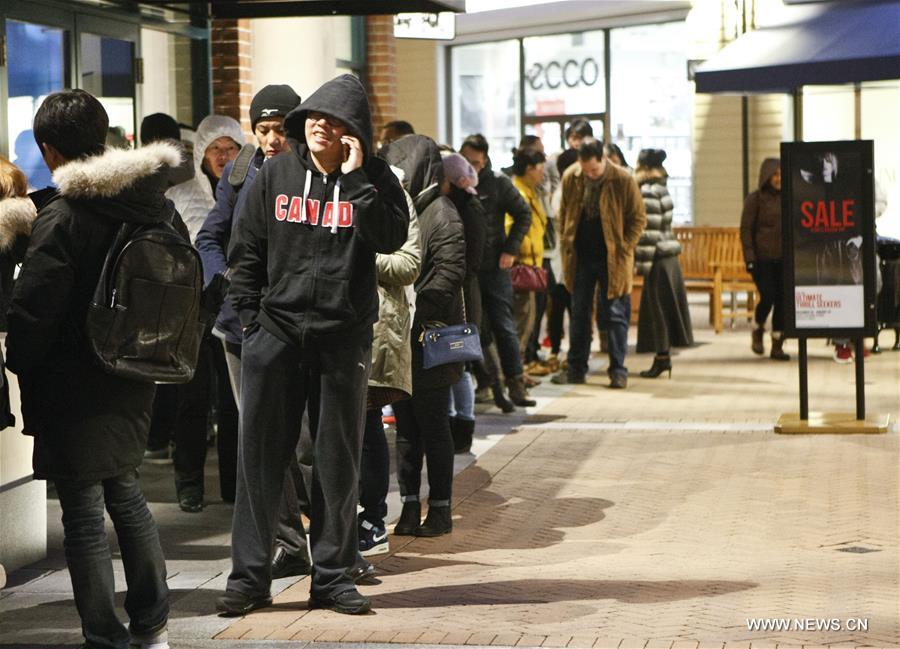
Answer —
(768, 167)
(420, 159)
(343, 97)
(210, 129)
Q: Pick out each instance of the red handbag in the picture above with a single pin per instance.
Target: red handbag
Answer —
(526, 278)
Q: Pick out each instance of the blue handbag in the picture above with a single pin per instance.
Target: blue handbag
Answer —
(450, 344)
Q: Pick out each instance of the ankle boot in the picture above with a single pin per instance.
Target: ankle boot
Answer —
(661, 363)
(757, 340)
(483, 394)
(506, 406)
(517, 392)
(777, 352)
(462, 430)
(410, 518)
(437, 522)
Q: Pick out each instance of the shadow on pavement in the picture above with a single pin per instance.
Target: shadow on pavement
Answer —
(546, 591)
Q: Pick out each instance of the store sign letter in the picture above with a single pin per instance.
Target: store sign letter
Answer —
(570, 73)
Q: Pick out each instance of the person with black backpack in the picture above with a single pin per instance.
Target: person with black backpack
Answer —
(88, 418)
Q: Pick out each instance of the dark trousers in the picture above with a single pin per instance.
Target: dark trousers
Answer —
(614, 316)
(559, 304)
(226, 423)
(182, 412)
(295, 495)
(374, 470)
(295, 492)
(90, 561)
(276, 381)
(423, 427)
(769, 279)
(497, 300)
(540, 306)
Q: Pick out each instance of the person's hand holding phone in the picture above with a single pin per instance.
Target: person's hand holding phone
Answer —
(353, 154)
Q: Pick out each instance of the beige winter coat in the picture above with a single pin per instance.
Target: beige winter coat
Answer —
(391, 352)
(623, 218)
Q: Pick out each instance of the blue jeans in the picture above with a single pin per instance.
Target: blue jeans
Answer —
(462, 398)
(497, 301)
(614, 316)
(90, 561)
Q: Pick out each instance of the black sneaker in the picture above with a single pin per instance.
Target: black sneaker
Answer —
(350, 602)
(289, 565)
(373, 539)
(191, 501)
(363, 573)
(235, 604)
(618, 381)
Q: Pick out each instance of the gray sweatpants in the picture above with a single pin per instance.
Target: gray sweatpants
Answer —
(277, 382)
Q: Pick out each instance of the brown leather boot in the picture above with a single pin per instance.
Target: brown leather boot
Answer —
(757, 344)
(778, 352)
(517, 392)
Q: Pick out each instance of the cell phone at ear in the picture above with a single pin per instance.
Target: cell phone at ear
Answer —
(346, 151)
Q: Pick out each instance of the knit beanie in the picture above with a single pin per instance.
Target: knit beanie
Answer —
(457, 168)
(159, 126)
(275, 100)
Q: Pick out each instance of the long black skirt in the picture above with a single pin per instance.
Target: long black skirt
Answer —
(664, 320)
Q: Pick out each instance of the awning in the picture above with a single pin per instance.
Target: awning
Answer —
(825, 43)
(284, 8)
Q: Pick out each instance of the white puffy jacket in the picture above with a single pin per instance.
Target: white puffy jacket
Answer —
(194, 198)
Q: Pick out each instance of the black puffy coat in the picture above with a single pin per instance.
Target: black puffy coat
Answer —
(499, 197)
(438, 288)
(87, 425)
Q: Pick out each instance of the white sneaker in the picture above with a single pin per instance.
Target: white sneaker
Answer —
(159, 640)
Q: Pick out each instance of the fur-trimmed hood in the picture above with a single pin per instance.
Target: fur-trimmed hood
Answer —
(16, 218)
(114, 171)
(123, 184)
(650, 174)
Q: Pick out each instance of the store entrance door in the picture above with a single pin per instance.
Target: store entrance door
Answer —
(107, 55)
(552, 128)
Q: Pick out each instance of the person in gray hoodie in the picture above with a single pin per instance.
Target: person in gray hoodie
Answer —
(304, 285)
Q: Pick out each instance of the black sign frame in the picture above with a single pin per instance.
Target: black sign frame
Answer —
(793, 155)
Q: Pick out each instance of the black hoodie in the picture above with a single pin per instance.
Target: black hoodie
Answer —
(308, 270)
(438, 287)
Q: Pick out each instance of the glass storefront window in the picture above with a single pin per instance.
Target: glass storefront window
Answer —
(879, 107)
(651, 101)
(485, 91)
(168, 80)
(31, 78)
(828, 113)
(107, 72)
(564, 74)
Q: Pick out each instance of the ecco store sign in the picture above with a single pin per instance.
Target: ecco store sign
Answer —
(570, 73)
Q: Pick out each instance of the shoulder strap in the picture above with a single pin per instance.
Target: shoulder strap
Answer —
(241, 166)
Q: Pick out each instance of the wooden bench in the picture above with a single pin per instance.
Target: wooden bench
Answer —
(712, 262)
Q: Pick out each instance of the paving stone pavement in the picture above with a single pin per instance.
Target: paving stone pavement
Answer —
(669, 515)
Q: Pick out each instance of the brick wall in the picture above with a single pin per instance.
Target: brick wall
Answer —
(381, 69)
(231, 75)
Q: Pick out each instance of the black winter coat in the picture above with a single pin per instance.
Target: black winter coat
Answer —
(499, 197)
(439, 286)
(87, 425)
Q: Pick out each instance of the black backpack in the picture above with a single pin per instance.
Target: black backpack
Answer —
(145, 321)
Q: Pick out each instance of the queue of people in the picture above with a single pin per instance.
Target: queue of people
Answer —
(337, 258)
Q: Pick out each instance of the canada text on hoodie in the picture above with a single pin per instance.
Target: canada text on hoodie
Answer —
(303, 250)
